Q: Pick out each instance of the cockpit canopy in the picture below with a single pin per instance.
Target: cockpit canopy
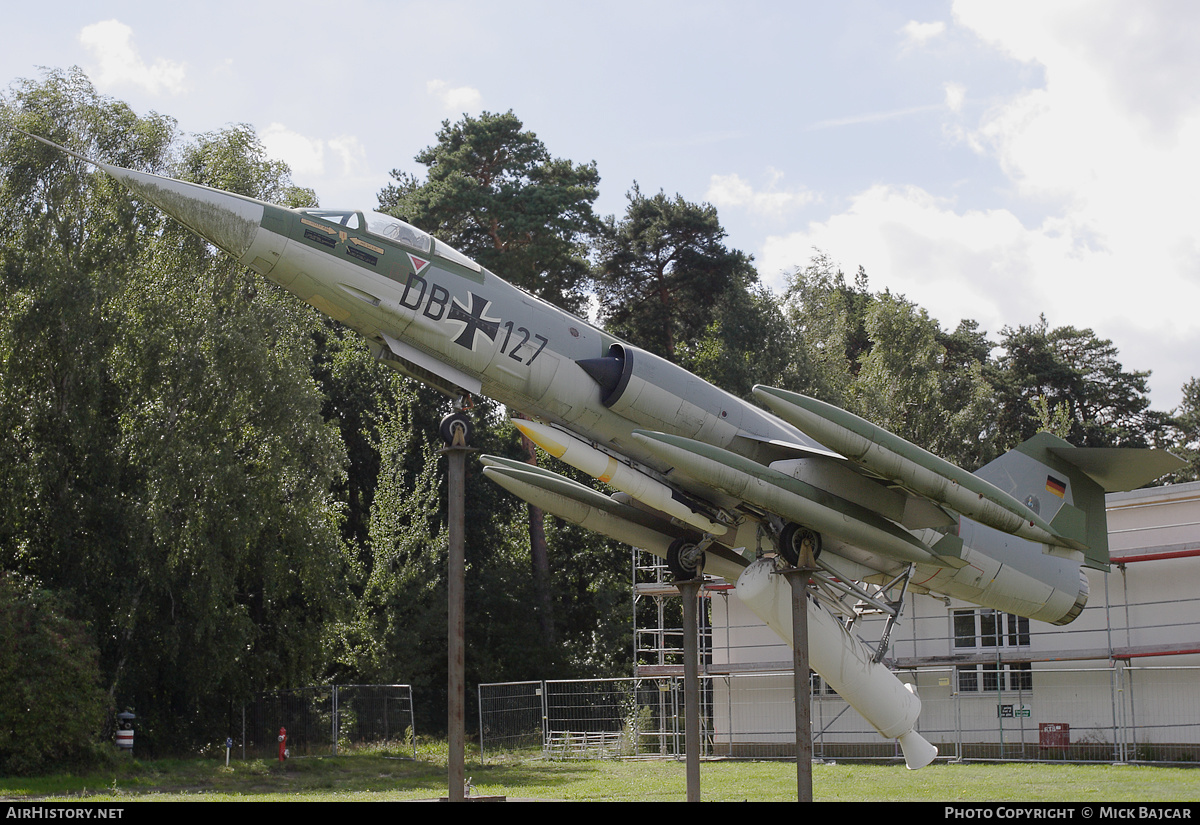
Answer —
(388, 227)
(385, 226)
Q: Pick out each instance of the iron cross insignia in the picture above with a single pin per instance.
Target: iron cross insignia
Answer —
(472, 320)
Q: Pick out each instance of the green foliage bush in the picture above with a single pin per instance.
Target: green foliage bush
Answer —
(51, 705)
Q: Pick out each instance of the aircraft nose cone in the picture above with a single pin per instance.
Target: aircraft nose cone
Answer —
(229, 221)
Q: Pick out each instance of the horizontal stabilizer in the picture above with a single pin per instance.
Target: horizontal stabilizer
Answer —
(1117, 469)
(1070, 483)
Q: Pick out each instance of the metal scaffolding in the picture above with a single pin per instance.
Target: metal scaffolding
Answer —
(658, 618)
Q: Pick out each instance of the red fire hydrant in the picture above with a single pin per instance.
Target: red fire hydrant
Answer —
(283, 751)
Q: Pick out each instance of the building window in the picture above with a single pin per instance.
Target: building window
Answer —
(989, 631)
(993, 678)
(1020, 676)
(968, 678)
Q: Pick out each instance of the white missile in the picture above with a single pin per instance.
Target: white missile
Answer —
(604, 467)
(891, 457)
(848, 665)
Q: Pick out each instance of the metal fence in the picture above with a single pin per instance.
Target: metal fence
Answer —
(1117, 714)
(322, 721)
(585, 718)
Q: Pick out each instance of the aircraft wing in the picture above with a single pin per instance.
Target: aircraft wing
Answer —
(882, 498)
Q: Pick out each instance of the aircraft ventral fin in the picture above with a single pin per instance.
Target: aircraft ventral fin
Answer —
(411, 357)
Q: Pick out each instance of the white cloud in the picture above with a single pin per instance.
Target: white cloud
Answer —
(111, 44)
(459, 98)
(351, 152)
(305, 155)
(1109, 144)
(731, 191)
(875, 117)
(987, 266)
(956, 94)
(914, 243)
(326, 165)
(917, 35)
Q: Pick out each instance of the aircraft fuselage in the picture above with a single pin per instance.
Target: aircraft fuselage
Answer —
(435, 314)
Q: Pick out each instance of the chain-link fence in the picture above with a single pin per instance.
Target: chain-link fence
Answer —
(1117, 714)
(322, 721)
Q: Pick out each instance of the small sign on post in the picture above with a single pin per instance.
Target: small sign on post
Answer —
(1013, 711)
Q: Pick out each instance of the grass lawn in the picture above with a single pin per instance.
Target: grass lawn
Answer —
(378, 777)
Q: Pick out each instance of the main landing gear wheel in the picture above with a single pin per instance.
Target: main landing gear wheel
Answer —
(795, 539)
(454, 422)
(685, 560)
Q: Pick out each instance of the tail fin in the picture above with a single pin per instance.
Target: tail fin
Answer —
(1065, 485)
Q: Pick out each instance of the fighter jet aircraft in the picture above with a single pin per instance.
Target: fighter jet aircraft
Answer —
(701, 478)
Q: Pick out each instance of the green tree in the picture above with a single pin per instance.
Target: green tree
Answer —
(235, 160)
(828, 317)
(494, 192)
(174, 480)
(749, 341)
(911, 384)
(397, 632)
(69, 241)
(1185, 432)
(355, 388)
(884, 358)
(1076, 371)
(242, 549)
(52, 707)
(664, 271)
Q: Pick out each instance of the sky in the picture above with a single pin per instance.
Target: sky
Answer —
(988, 161)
